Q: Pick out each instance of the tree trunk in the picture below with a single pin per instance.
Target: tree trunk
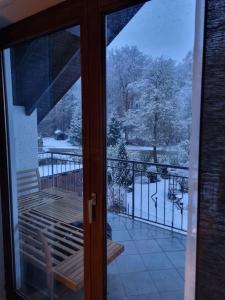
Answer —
(155, 139)
(155, 154)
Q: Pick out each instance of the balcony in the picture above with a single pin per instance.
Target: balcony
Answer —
(155, 193)
(152, 265)
(149, 219)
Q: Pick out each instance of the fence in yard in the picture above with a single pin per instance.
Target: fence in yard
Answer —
(152, 192)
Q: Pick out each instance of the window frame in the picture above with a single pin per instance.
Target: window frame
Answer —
(90, 15)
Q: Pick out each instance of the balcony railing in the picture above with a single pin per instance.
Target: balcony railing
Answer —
(156, 193)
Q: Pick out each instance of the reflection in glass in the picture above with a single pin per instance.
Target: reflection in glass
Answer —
(149, 58)
(43, 89)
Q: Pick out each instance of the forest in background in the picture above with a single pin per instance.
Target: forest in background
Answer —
(148, 104)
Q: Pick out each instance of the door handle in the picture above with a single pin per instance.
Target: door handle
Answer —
(91, 203)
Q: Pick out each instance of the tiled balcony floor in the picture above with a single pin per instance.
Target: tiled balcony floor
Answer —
(152, 265)
(150, 268)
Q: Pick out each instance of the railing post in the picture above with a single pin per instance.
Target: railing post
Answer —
(52, 165)
(133, 192)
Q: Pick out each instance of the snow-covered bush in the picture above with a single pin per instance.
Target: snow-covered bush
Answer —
(75, 131)
(114, 132)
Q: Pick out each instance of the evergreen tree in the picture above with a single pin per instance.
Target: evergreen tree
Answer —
(75, 132)
(114, 132)
(123, 175)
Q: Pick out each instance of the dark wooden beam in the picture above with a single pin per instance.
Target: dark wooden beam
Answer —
(44, 69)
(38, 64)
(94, 137)
(52, 19)
(109, 6)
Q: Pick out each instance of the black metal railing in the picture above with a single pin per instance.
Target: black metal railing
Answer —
(152, 192)
(62, 170)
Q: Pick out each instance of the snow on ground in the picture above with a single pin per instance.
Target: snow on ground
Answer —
(46, 170)
(165, 211)
(50, 143)
(145, 201)
(149, 148)
(138, 148)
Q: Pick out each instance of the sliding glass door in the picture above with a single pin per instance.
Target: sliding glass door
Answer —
(44, 112)
(149, 59)
(99, 119)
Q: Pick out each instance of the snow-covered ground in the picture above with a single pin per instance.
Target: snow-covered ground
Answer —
(145, 207)
(51, 143)
(149, 148)
(138, 148)
(46, 170)
(165, 211)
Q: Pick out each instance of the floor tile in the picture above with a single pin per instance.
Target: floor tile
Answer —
(172, 296)
(117, 226)
(115, 219)
(177, 258)
(151, 296)
(138, 225)
(148, 246)
(138, 283)
(113, 268)
(167, 280)
(121, 235)
(115, 286)
(171, 244)
(159, 233)
(129, 248)
(152, 265)
(183, 240)
(130, 263)
(157, 261)
(181, 271)
(140, 234)
(116, 297)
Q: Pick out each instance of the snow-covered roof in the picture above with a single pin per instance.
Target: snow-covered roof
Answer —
(58, 131)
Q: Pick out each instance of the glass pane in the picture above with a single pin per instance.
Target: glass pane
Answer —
(43, 95)
(149, 55)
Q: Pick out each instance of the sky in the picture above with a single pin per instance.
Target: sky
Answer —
(161, 28)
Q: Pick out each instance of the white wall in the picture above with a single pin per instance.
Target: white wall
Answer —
(25, 138)
(23, 129)
(22, 135)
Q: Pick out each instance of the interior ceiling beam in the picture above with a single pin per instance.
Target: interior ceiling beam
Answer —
(45, 68)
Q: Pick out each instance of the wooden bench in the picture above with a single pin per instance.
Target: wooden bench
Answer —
(71, 271)
(68, 207)
(29, 193)
(65, 245)
(48, 241)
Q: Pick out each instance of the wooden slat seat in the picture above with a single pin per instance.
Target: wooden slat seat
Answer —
(65, 247)
(29, 193)
(73, 201)
(60, 212)
(48, 240)
(71, 271)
